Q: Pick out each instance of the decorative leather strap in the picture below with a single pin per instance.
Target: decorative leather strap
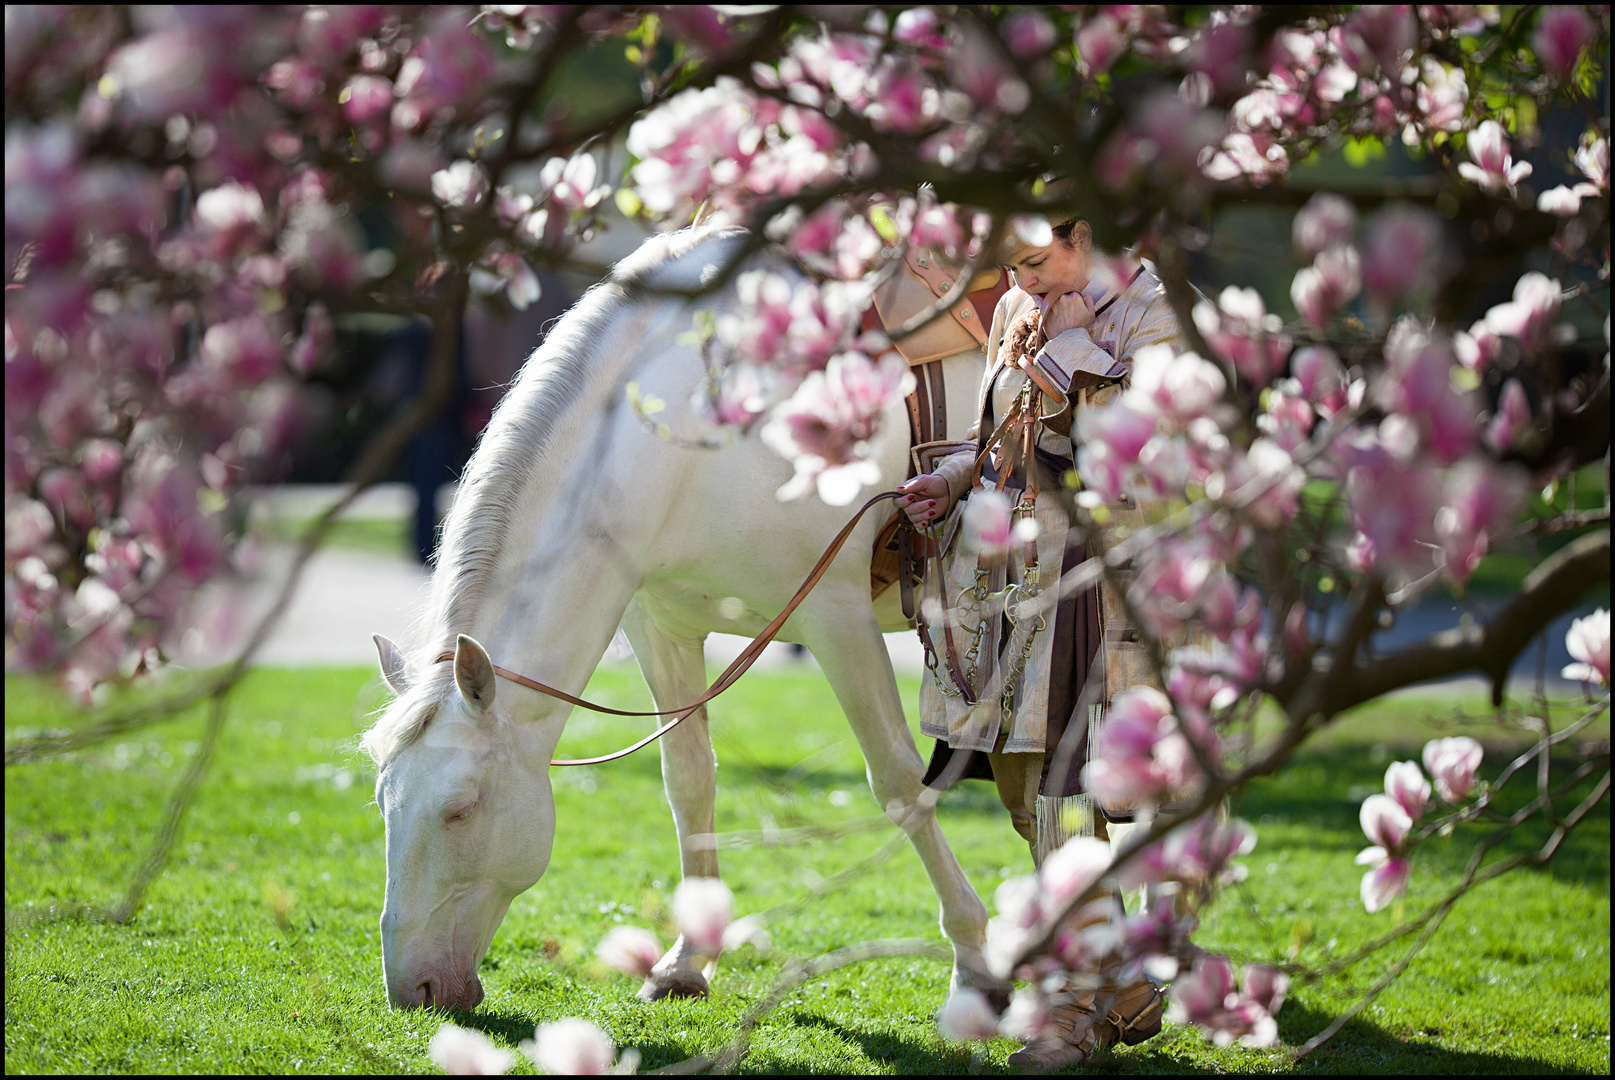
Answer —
(731, 674)
(964, 313)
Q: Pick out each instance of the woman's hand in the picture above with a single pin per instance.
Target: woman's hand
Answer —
(925, 499)
(1068, 311)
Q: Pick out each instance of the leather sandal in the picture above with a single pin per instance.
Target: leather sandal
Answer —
(1135, 1014)
(1078, 1041)
(1130, 1015)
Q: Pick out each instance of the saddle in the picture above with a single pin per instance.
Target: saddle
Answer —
(920, 282)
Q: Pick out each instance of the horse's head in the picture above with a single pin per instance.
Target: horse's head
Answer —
(468, 822)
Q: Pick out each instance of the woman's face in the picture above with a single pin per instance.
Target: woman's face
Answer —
(1051, 269)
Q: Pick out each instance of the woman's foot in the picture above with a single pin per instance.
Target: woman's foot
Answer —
(1085, 1024)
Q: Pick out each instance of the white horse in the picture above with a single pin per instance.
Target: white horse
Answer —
(572, 519)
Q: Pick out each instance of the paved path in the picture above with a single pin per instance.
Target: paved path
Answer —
(346, 596)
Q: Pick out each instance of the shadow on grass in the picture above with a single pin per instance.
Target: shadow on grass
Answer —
(1364, 1047)
(1323, 790)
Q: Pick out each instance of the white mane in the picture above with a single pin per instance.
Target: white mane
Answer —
(516, 443)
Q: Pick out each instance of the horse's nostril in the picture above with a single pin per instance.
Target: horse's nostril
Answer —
(425, 991)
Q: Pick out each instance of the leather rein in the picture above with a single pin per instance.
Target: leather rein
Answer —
(731, 674)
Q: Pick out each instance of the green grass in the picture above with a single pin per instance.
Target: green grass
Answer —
(204, 980)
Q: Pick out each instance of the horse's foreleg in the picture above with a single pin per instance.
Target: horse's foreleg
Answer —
(675, 671)
(850, 650)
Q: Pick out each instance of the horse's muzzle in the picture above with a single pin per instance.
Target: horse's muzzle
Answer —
(434, 992)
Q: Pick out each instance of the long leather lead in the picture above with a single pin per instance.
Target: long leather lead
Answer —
(731, 674)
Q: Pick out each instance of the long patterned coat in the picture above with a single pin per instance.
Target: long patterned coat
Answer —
(1047, 668)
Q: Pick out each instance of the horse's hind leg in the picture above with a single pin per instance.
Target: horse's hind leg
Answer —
(675, 671)
(853, 655)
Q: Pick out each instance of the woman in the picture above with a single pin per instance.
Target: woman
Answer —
(1013, 694)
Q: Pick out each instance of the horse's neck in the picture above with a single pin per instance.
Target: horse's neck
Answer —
(546, 598)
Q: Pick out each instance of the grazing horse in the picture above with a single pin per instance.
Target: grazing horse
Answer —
(571, 519)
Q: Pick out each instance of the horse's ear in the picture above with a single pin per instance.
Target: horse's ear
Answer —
(393, 670)
(473, 674)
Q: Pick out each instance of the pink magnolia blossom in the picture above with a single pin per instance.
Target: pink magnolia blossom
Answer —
(1385, 821)
(1385, 881)
(230, 208)
(1254, 155)
(460, 186)
(919, 26)
(700, 26)
(1321, 289)
(740, 398)
(1562, 34)
(1407, 785)
(1403, 252)
(449, 63)
(1417, 388)
(1564, 201)
(461, 1051)
(1287, 420)
(1027, 1018)
(1028, 33)
(296, 81)
(1588, 644)
(1240, 329)
(366, 98)
(572, 1047)
(1394, 508)
(1221, 52)
(1592, 158)
(988, 523)
(703, 908)
(1207, 998)
(1481, 498)
(1492, 167)
(966, 1016)
(1477, 348)
(1451, 764)
(1513, 418)
(630, 949)
(1101, 41)
(1174, 387)
(246, 348)
(1073, 868)
(1321, 378)
(570, 182)
(1266, 481)
(1196, 854)
(1531, 315)
(1121, 428)
(1442, 94)
(1141, 754)
(829, 426)
(1387, 31)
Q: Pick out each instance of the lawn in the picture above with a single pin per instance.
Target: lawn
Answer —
(207, 980)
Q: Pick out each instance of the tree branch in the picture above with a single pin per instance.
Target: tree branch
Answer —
(1553, 588)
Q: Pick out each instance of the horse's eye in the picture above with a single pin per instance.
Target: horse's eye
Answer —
(458, 813)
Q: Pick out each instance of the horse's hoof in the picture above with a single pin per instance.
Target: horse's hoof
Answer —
(995, 990)
(673, 985)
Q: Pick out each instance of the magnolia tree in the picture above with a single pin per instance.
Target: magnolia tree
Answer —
(182, 194)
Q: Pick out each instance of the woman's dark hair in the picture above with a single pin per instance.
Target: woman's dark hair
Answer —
(1072, 231)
